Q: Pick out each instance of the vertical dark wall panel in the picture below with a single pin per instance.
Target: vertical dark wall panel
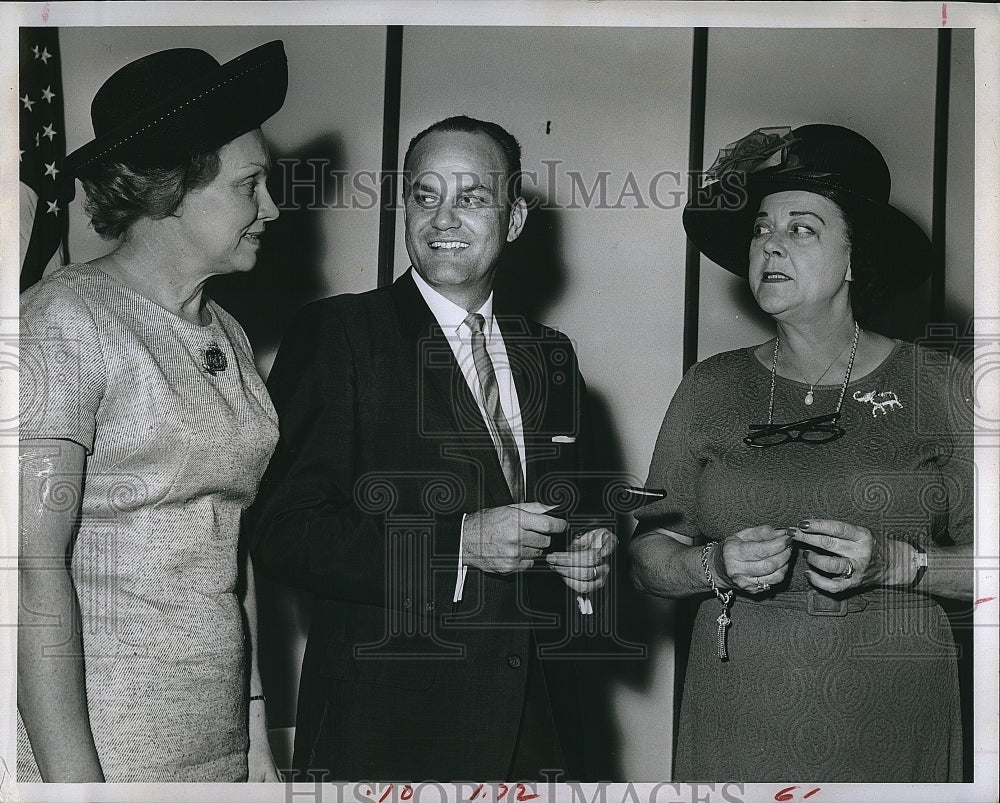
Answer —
(696, 151)
(389, 186)
(938, 214)
(960, 211)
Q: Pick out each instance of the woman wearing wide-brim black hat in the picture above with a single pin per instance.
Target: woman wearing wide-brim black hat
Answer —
(145, 429)
(819, 487)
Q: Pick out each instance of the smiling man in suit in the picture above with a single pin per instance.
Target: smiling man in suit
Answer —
(421, 435)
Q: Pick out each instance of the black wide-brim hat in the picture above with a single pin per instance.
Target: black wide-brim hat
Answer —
(156, 110)
(719, 215)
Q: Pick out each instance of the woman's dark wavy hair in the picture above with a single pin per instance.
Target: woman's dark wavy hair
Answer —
(121, 192)
(869, 291)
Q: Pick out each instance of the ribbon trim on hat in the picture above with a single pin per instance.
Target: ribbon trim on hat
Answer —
(764, 149)
(758, 150)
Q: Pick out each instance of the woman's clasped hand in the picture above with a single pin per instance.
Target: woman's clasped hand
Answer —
(754, 558)
(839, 555)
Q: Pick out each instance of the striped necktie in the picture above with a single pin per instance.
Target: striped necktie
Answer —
(503, 438)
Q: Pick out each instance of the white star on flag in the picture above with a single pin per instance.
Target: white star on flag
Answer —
(43, 208)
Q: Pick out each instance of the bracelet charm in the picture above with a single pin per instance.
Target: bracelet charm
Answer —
(726, 598)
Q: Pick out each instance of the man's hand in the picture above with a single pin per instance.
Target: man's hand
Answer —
(584, 567)
(507, 539)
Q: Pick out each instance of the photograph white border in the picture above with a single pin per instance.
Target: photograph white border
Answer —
(983, 17)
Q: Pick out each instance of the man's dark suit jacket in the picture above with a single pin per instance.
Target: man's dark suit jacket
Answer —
(382, 451)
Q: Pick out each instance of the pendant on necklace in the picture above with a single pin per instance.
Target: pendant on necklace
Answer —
(809, 397)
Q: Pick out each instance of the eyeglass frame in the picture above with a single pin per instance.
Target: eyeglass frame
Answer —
(821, 423)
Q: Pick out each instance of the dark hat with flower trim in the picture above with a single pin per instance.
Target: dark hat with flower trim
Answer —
(824, 159)
(157, 109)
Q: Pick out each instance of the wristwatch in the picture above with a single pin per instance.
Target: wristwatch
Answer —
(920, 562)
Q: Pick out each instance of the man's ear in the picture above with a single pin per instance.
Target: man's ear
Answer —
(518, 214)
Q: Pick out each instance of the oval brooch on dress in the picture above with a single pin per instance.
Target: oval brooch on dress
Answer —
(214, 359)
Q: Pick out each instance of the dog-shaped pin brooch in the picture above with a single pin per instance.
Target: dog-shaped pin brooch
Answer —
(881, 401)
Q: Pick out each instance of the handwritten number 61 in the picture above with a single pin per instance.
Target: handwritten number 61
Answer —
(786, 794)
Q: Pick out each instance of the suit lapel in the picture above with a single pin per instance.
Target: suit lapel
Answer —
(449, 411)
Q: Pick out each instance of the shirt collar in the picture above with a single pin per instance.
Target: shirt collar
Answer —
(449, 315)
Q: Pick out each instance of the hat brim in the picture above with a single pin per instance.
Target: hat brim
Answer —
(201, 115)
(722, 232)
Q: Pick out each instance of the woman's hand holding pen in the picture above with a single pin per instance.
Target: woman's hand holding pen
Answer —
(848, 556)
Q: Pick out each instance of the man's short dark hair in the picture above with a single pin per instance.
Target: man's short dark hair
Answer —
(509, 146)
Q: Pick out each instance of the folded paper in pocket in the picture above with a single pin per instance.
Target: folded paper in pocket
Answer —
(563, 439)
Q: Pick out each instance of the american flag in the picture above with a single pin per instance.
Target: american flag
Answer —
(44, 197)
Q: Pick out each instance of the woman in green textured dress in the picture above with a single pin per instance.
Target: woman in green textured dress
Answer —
(819, 487)
(145, 429)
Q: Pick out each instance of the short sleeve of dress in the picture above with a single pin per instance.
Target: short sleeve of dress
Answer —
(677, 463)
(62, 373)
(957, 459)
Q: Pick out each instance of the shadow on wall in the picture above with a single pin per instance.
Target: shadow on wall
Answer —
(288, 273)
(532, 276)
(615, 647)
(962, 317)
(740, 299)
(904, 316)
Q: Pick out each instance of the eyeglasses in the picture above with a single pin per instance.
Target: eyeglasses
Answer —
(822, 429)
